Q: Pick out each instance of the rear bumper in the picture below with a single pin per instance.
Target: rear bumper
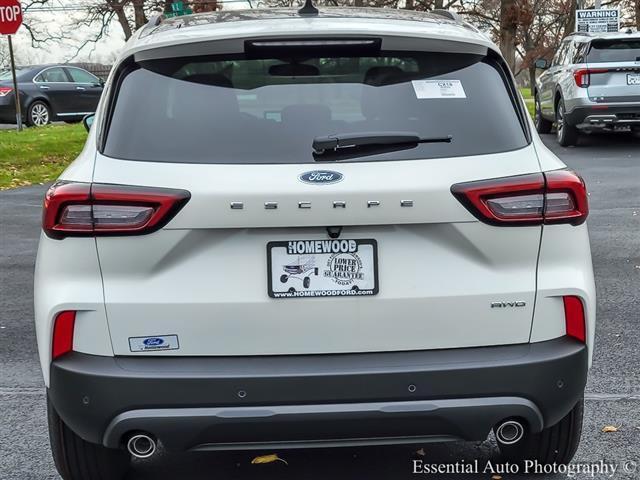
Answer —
(605, 115)
(206, 403)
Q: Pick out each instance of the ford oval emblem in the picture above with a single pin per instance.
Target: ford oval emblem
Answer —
(153, 342)
(321, 177)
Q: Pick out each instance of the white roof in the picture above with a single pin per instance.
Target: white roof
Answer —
(240, 24)
(587, 37)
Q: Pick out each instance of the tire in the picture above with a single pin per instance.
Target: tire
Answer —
(306, 282)
(556, 444)
(284, 278)
(38, 114)
(76, 459)
(566, 134)
(542, 124)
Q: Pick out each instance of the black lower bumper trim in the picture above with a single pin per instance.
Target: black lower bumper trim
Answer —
(330, 424)
(220, 402)
(605, 115)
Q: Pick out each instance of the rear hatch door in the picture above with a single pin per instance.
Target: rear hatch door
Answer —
(615, 67)
(238, 133)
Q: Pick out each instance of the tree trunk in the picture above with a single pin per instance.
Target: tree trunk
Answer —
(638, 15)
(508, 30)
(532, 77)
(570, 25)
(358, 3)
(409, 4)
(122, 20)
(439, 4)
(138, 13)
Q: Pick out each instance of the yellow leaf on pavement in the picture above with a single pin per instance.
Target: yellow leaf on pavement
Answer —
(496, 477)
(609, 428)
(268, 459)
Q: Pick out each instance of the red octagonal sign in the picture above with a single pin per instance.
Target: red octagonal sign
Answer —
(10, 16)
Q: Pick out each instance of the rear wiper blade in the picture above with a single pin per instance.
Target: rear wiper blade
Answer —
(333, 143)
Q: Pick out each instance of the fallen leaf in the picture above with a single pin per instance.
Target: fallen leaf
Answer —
(609, 428)
(421, 452)
(268, 459)
(496, 477)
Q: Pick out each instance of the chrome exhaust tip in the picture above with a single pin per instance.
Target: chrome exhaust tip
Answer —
(509, 432)
(141, 445)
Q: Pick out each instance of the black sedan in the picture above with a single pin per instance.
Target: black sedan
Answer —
(49, 93)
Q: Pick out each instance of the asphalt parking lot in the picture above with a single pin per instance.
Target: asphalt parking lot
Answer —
(611, 166)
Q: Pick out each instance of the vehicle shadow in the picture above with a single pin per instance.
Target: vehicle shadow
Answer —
(610, 140)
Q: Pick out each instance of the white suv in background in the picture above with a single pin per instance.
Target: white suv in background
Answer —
(592, 83)
(300, 229)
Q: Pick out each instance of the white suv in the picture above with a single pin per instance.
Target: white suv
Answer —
(592, 83)
(298, 229)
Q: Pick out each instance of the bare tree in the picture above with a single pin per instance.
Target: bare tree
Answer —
(524, 29)
(542, 26)
(200, 6)
(508, 31)
(571, 17)
(139, 17)
(631, 13)
(4, 54)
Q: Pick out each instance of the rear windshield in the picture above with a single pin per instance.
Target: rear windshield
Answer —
(242, 110)
(614, 51)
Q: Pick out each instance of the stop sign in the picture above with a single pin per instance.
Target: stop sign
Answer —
(10, 16)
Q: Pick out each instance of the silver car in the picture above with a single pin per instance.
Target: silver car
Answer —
(593, 82)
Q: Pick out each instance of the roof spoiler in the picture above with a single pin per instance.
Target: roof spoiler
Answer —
(455, 17)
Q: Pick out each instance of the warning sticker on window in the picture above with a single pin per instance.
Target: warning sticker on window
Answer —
(438, 89)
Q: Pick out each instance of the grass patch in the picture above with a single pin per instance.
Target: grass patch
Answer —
(528, 99)
(38, 155)
(526, 93)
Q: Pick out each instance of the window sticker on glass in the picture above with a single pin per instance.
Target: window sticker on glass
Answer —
(438, 89)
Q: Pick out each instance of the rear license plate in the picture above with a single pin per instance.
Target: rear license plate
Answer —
(633, 78)
(322, 268)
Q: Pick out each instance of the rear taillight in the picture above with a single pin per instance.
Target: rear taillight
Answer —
(559, 196)
(583, 75)
(4, 91)
(83, 209)
(566, 198)
(63, 327)
(574, 318)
